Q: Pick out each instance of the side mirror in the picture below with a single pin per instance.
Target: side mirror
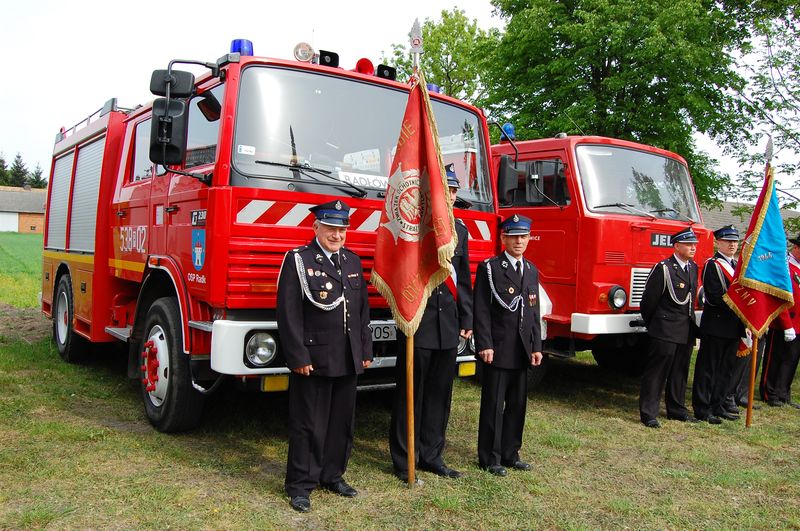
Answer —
(168, 132)
(507, 180)
(180, 83)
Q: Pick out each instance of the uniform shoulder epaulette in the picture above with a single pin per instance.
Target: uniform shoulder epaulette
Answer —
(491, 259)
(458, 220)
(299, 249)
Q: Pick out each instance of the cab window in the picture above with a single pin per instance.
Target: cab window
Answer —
(142, 167)
(201, 139)
(543, 184)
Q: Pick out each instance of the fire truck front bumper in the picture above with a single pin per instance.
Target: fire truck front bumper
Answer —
(599, 324)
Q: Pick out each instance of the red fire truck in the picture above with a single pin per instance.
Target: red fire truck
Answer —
(179, 258)
(603, 211)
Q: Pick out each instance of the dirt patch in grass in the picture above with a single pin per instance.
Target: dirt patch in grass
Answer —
(23, 324)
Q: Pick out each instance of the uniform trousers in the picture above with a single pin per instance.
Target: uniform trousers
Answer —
(434, 371)
(321, 419)
(742, 374)
(504, 398)
(780, 365)
(712, 375)
(667, 365)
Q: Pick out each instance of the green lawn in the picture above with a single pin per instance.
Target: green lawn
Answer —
(20, 269)
(77, 452)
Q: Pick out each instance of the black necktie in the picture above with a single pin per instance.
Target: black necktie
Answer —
(335, 260)
(733, 263)
(518, 267)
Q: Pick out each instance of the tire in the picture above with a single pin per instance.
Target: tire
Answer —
(170, 402)
(625, 359)
(71, 347)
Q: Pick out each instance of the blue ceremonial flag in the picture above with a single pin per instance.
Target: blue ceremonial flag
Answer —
(761, 287)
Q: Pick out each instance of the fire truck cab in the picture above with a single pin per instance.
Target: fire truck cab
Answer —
(179, 258)
(603, 211)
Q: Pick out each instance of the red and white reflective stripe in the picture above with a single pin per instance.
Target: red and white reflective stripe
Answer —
(297, 215)
(477, 229)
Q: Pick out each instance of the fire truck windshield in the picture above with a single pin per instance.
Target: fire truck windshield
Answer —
(308, 131)
(636, 183)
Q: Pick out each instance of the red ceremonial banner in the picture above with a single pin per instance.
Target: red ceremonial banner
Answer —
(416, 236)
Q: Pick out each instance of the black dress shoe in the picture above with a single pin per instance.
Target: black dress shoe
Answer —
(711, 419)
(652, 423)
(732, 410)
(793, 404)
(442, 470)
(727, 416)
(341, 488)
(519, 465)
(775, 403)
(300, 503)
(684, 418)
(497, 470)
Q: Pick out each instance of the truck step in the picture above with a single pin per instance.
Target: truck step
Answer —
(123, 334)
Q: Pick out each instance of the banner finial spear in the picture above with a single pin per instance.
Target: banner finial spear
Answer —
(768, 151)
(415, 39)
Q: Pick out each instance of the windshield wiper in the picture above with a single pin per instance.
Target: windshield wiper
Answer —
(626, 206)
(308, 170)
(668, 209)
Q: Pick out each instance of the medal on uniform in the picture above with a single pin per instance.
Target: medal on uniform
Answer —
(328, 286)
(310, 272)
(532, 299)
(317, 273)
(511, 290)
(318, 258)
(323, 295)
(504, 264)
(681, 285)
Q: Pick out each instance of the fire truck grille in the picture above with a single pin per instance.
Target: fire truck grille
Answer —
(638, 278)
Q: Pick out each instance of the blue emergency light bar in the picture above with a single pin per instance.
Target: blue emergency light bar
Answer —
(243, 47)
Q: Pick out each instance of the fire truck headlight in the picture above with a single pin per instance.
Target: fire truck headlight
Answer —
(617, 297)
(260, 349)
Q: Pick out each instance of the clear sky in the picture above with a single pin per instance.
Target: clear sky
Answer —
(65, 59)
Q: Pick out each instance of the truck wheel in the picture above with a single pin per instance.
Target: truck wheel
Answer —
(170, 401)
(71, 346)
(629, 359)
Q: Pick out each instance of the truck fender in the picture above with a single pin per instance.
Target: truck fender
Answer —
(170, 267)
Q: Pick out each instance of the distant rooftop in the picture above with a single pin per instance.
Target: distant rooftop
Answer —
(14, 199)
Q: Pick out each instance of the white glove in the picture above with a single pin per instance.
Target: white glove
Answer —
(748, 341)
(789, 335)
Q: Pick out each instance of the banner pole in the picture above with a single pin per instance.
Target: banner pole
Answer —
(410, 410)
(751, 390)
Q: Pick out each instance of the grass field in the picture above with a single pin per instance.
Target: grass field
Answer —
(20, 268)
(76, 452)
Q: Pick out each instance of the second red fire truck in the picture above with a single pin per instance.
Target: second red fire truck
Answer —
(603, 211)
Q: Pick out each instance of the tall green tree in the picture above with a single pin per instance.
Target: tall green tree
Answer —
(18, 173)
(455, 55)
(653, 72)
(772, 100)
(36, 179)
(3, 171)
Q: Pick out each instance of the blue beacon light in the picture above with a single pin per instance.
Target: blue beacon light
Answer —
(509, 131)
(242, 47)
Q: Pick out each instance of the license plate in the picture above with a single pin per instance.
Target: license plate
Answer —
(383, 331)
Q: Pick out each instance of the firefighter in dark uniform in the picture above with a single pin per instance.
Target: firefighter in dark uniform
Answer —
(668, 311)
(447, 316)
(782, 351)
(721, 330)
(323, 321)
(508, 340)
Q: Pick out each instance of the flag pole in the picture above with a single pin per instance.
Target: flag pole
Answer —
(410, 410)
(415, 36)
(751, 390)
